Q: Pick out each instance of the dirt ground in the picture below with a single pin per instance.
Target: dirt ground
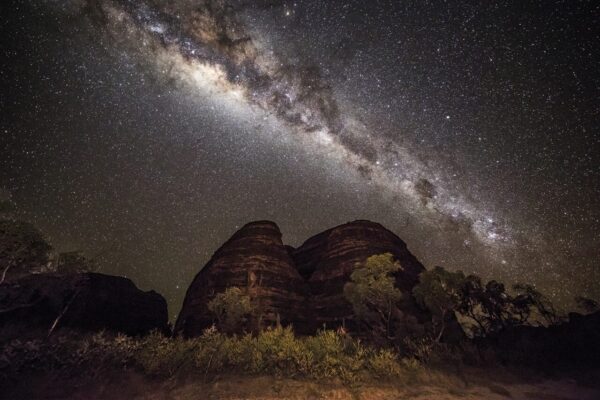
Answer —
(434, 386)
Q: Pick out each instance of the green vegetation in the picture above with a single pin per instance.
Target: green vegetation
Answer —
(275, 351)
(440, 292)
(484, 308)
(232, 309)
(399, 362)
(373, 294)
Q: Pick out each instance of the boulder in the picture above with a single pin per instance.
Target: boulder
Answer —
(88, 302)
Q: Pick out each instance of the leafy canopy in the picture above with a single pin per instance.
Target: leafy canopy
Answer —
(371, 285)
(23, 248)
(440, 292)
(231, 308)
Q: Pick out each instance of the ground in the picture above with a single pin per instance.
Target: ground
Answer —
(473, 384)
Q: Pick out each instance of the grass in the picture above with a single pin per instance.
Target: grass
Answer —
(277, 352)
(273, 364)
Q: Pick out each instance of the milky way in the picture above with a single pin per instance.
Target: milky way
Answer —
(204, 44)
(229, 57)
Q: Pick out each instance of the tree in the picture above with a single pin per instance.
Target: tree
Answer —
(493, 309)
(231, 308)
(534, 299)
(23, 248)
(497, 306)
(440, 292)
(587, 305)
(74, 262)
(372, 293)
(472, 294)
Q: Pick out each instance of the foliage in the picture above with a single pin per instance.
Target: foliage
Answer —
(336, 354)
(23, 248)
(281, 353)
(74, 262)
(384, 364)
(439, 291)
(231, 308)
(275, 351)
(492, 308)
(485, 308)
(530, 298)
(163, 356)
(69, 354)
(420, 348)
(373, 295)
(587, 305)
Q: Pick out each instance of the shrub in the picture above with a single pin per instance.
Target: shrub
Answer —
(420, 348)
(209, 356)
(275, 351)
(231, 308)
(163, 356)
(69, 354)
(281, 353)
(384, 364)
(335, 355)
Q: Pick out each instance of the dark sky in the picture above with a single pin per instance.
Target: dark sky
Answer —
(146, 132)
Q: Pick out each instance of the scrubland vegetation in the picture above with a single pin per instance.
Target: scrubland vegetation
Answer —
(275, 351)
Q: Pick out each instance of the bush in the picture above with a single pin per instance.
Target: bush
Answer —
(384, 364)
(210, 356)
(336, 355)
(68, 354)
(275, 351)
(162, 356)
(283, 354)
(232, 309)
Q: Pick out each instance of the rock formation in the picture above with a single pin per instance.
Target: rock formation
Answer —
(256, 260)
(327, 260)
(303, 286)
(85, 302)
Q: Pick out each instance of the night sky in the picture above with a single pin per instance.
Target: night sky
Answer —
(145, 132)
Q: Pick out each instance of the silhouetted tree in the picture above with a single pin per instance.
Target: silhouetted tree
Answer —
(74, 262)
(440, 292)
(23, 249)
(587, 305)
(472, 293)
(489, 307)
(530, 297)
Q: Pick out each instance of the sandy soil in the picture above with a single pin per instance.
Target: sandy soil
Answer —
(434, 387)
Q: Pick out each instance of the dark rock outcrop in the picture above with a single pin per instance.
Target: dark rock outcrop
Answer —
(255, 259)
(303, 286)
(327, 260)
(84, 301)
